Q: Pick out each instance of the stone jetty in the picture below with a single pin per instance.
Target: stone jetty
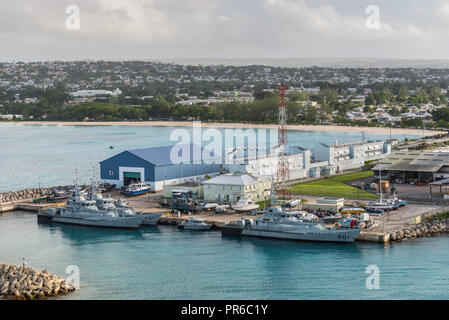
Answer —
(26, 283)
(424, 229)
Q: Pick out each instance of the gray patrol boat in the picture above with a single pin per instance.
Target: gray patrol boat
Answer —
(277, 223)
(84, 212)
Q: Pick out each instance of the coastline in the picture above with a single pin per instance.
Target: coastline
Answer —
(333, 128)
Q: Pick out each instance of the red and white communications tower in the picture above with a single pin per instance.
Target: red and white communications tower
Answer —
(283, 170)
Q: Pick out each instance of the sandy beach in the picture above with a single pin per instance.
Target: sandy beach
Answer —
(333, 128)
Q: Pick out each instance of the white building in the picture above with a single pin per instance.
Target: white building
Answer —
(346, 156)
(93, 93)
(11, 116)
(300, 164)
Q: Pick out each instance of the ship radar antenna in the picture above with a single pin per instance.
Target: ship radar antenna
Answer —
(272, 192)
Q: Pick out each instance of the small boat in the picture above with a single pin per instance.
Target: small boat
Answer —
(222, 209)
(381, 205)
(399, 202)
(106, 187)
(210, 206)
(59, 195)
(245, 205)
(194, 224)
(138, 188)
(374, 210)
(377, 206)
(394, 203)
(352, 210)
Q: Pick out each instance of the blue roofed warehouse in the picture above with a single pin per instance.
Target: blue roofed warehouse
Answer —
(159, 166)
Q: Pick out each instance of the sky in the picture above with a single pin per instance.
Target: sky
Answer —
(33, 30)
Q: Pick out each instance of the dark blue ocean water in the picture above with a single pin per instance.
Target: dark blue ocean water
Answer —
(166, 263)
(48, 155)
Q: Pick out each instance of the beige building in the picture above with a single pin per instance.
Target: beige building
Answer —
(325, 204)
(232, 187)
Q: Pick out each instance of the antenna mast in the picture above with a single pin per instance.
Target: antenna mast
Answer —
(283, 170)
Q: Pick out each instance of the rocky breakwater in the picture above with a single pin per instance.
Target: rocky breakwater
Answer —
(424, 229)
(25, 283)
(28, 194)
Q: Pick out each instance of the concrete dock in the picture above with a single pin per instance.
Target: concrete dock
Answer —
(390, 222)
(386, 224)
(26, 205)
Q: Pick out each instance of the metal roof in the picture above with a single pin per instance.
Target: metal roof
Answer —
(244, 155)
(421, 161)
(233, 179)
(381, 166)
(163, 155)
(440, 182)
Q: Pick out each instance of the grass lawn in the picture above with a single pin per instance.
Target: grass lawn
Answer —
(335, 187)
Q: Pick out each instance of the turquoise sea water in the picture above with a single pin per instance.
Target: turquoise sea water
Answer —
(165, 263)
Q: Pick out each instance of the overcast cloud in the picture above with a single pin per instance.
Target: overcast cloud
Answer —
(149, 29)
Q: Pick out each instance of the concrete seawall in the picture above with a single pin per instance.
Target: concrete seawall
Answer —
(26, 205)
(6, 207)
(371, 236)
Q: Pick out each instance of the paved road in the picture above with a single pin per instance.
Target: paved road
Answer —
(401, 218)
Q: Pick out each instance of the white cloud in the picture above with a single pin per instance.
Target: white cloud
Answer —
(323, 28)
(442, 10)
(324, 22)
(203, 28)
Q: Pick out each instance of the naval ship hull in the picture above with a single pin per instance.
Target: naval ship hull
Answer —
(151, 219)
(131, 223)
(341, 235)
